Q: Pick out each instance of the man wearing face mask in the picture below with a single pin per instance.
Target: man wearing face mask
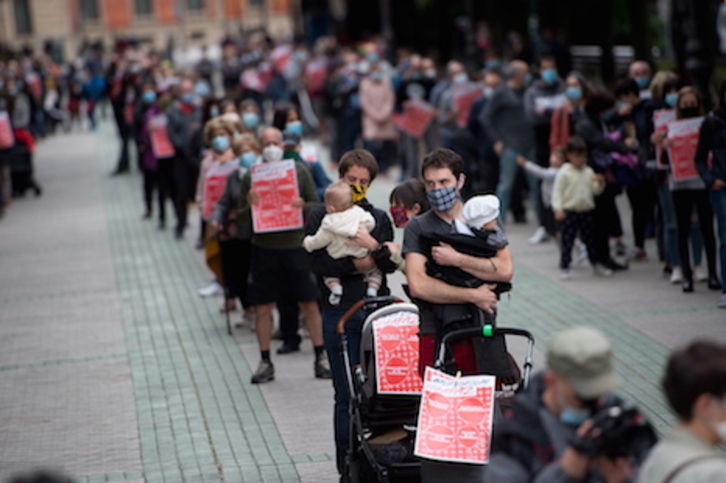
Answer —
(280, 265)
(535, 442)
(695, 386)
(639, 71)
(540, 100)
(184, 119)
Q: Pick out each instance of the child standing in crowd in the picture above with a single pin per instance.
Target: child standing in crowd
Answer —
(573, 202)
(339, 225)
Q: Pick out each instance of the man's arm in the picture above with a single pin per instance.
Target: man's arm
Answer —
(499, 268)
(435, 291)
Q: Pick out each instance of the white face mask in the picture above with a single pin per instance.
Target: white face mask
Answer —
(720, 430)
(460, 78)
(272, 153)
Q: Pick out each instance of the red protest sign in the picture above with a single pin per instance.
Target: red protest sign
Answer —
(7, 138)
(465, 96)
(455, 420)
(215, 181)
(160, 144)
(276, 185)
(252, 80)
(682, 151)
(315, 74)
(281, 56)
(661, 119)
(396, 352)
(415, 118)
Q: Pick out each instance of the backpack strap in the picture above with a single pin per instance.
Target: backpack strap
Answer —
(679, 469)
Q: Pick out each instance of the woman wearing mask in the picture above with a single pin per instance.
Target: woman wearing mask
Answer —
(234, 243)
(690, 193)
(148, 162)
(250, 114)
(576, 92)
(287, 118)
(665, 96)
(216, 166)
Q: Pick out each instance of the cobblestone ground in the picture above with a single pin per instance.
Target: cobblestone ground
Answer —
(113, 369)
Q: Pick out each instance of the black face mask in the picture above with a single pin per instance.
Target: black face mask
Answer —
(690, 112)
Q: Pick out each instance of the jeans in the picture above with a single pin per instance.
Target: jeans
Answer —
(341, 415)
(718, 203)
(670, 230)
(507, 174)
(684, 201)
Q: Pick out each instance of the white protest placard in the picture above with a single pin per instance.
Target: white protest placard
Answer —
(397, 354)
(682, 151)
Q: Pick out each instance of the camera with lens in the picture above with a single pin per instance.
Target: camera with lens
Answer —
(618, 431)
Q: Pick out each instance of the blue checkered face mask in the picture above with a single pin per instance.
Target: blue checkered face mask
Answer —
(442, 199)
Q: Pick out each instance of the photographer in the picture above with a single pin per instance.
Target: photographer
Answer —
(695, 386)
(567, 427)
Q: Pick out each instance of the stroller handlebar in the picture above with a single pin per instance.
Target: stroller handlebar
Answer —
(367, 303)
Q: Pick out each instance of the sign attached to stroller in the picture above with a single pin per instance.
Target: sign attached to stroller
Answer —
(396, 352)
(455, 420)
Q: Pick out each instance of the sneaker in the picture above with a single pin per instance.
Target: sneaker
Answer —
(265, 373)
(322, 367)
(212, 290)
(676, 275)
(582, 254)
(601, 271)
(638, 255)
(540, 236)
(699, 275)
(334, 298)
(620, 249)
(565, 275)
(722, 301)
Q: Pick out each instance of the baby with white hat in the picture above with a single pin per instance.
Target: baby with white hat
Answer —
(482, 214)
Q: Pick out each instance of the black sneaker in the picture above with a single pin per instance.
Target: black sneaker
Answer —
(288, 348)
(265, 373)
(322, 367)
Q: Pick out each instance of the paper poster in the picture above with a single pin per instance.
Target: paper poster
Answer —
(415, 118)
(251, 80)
(315, 74)
(215, 181)
(455, 419)
(7, 138)
(281, 56)
(549, 102)
(309, 153)
(464, 97)
(276, 185)
(684, 143)
(397, 351)
(661, 119)
(160, 143)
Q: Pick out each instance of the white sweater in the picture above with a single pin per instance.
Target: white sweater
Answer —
(336, 229)
(575, 189)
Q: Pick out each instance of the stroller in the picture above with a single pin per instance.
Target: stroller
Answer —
(382, 426)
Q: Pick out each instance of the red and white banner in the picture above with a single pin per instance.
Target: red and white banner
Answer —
(160, 144)
(7, 139)
(281, 56)
(465, 95)
(397, 352)
(661, 119)
(215, 181)
(682, 151)
(315, 74)
(455, 419)
(415, 118)
(276, 185)
(252, 80)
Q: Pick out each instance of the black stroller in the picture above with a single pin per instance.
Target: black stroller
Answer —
(20, 161)
(382, 425)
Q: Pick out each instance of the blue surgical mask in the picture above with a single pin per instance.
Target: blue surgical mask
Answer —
(202, 89)
(247, 159)
(251, 120)
(214, 111)
(574, 417)
(187, 98)
(549, 76)
(643, 82)
(528, 79)
(671, 99)
(573, 93)
(148, 97)
(493, 64)
(220, 143)
(442, 199)
(294, 127)
(377, 75)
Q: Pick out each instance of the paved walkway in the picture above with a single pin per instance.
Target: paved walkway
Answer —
(113, 369)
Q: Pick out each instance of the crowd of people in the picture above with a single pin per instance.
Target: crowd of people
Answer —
(512, 129)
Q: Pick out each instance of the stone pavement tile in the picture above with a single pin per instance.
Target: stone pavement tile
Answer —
(671, 329)
(69, 327)
(316, 472)
(77, 417)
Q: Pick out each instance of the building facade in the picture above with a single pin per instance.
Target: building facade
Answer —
(70, 23)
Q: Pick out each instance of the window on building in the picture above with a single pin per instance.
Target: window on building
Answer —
(256, 3)
(23, 24)
(143, 7)
(195, 5)
(89, 9)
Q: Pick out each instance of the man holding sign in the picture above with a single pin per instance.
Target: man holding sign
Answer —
(274, 196)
